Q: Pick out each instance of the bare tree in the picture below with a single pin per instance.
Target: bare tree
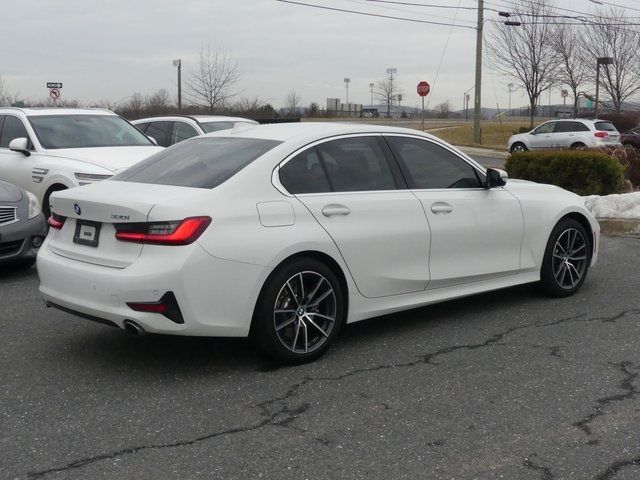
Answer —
(159, 102)
(444, 109)
(249, 105)
(135, 105)
(386, 91)
(607, 38)
(210, 85)
(526, 52)
(293, 103)
(573, 69)
(5, 99)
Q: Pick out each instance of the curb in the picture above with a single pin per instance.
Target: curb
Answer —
(615, 227)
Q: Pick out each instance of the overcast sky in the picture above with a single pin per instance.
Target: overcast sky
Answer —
(108, 49)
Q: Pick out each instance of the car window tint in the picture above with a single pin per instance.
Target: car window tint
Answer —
(160, 131)
(356, 164)
(204, 162)
(605, 126)
(142, 126)
(182, 131)
(545, 128)
(580, 127)
(428, 165)
(304, 174)
(12, 128)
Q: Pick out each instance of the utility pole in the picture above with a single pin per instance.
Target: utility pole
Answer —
(510, 90)
(346, 84)
(371, 85)
(178, 63)
(477, 113)
(600, 61)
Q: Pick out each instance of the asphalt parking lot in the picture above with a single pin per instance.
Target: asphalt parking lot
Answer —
(503, 385)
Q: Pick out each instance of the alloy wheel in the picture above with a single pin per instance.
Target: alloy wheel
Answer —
(304, 313)
(569, 258)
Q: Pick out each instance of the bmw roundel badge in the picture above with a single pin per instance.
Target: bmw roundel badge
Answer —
(77, 209)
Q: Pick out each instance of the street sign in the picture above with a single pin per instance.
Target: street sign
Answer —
(54, 84)
(54, 93)
(423, 89)
(564, 93)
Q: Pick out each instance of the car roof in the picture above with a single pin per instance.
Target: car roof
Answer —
(35, 111)
(197, 118)
(283, 132)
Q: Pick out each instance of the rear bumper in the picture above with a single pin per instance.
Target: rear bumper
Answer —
(216, 297)
(16, 240)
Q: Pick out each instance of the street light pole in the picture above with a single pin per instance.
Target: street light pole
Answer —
(178, 63)
(346, 84)
(371, 85)
(477, 112)
(510, 89)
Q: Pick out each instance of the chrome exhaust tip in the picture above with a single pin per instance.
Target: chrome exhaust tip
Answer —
(133, 328)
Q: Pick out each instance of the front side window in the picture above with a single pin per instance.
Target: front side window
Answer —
(356, 164)
(428, 165)
(85, 131)
(182, 131)
(203, 162)
(545, 128)
(160, 131)
(12, 128)
(304, 174)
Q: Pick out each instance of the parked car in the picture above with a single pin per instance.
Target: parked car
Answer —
(631, 138)
(43, 150)
(171, 129)
(575, 133)
(22, 225)
(286, 232)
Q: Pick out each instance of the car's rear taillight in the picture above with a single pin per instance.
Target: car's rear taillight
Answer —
(601, 134)
(56, 221)
(177, 232)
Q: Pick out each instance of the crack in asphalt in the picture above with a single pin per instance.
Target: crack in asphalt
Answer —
(546, 472)
(626, 385)
(613, 469)
(276, 412)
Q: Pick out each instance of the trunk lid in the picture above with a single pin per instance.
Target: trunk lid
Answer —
(89, 233)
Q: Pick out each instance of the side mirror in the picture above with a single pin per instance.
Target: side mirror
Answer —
(153, 140)
(21, 145)
(495, 178)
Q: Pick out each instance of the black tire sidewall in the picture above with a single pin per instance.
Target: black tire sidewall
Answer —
(548, 283)
(263, 330)
(515, 145)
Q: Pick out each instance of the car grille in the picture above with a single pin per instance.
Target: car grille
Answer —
(9, 248)
(7, 215)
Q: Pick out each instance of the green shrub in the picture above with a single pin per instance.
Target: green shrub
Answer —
(629, 158)
(583, 172)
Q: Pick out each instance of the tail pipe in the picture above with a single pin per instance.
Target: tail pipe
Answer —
(133, 328)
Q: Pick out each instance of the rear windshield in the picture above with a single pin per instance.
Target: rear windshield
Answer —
(202, 162)
(85, 131)
(605, 126)
(209, 127)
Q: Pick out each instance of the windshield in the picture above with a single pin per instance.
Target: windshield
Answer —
(201, 162)
(209, 127)
(85, 131)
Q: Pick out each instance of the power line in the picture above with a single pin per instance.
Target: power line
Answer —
(378, 15)
(429, 14)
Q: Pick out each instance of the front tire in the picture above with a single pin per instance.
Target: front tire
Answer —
(566, 259)
(519, 147)
(300, 311)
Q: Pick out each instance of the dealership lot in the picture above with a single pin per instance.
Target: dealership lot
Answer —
(502, 385)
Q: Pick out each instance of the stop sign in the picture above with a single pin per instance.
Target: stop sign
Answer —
(423, 89)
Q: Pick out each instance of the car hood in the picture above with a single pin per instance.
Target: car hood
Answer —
(111, 158)
(9, 193)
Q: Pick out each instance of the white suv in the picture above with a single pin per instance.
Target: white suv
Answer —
(43, 150)
(170, 129)
(572, 133)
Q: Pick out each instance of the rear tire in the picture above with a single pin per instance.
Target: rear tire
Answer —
(578, 146)
(518, 147)
(566, 259)
(300, 311)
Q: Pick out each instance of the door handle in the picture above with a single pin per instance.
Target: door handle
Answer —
(335, 209)
(440, 208)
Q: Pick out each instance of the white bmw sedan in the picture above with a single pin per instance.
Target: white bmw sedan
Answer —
(287, 232)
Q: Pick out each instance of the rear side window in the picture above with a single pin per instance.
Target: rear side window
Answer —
(304, 174)
(605, 126)
(160, 131)
(203, 162)
(428, 165)
(356, 164)
(216, 126)
(182, 131)
(562, 127)
(12, 128)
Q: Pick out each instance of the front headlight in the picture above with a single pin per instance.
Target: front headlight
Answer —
(34, 206)
(86, 178)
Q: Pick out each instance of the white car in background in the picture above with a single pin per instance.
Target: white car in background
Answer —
(168, 130)
(43, 150)
(574, 133)
(286, 232)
